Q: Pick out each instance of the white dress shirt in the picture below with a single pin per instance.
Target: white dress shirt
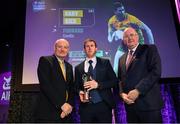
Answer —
(86, 63)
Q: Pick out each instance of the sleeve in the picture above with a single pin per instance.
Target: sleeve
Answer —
(78, 81)
(134, 20)
(119, 77)
(45, 79)
(71, 89)
(110, 77)
(154, 71)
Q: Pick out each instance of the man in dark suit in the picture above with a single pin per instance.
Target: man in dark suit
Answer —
(102, 80)
(139, 71)
(56, 86)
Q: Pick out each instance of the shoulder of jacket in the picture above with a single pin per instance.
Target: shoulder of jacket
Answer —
(68, 63)
(102, 59)
(80, 64)
(47, 58)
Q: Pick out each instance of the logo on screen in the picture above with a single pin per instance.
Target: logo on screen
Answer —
(5, 80)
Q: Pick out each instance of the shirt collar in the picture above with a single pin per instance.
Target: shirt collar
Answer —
(93, 59)
(134, 49)
(59, 59)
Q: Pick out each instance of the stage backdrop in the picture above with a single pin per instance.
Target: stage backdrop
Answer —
(45, 22)
(76, 20)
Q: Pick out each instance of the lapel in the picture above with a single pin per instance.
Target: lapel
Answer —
(57, 69)
(135, 56)
(68, 71)
(123, 63)
(98, 65)
(81, 67)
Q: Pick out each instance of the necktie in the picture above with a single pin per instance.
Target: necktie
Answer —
(90, 69)
(63, 69)
(129, 59)
(64, 75)
(95, 97)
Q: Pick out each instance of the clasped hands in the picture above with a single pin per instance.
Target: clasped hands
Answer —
(66, 109)
(130, 97)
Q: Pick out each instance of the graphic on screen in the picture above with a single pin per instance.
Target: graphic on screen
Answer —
(103, 21)
(118, 23)
(5, 79)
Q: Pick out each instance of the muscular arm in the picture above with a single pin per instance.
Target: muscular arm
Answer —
(142, 26)
(148, 32)
(110, 32)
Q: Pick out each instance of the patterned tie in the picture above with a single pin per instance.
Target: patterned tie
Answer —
(90, 69)
(61, 63)
(129, 59)
(95, 97)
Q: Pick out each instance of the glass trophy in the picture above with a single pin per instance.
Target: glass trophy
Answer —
(85, 78)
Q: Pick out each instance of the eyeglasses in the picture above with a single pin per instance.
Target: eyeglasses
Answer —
(129, 36)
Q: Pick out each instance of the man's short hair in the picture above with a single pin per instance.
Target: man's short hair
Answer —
(89, 40)
(116, 5)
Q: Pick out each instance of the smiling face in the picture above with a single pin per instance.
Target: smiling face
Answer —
(130, 38)
(61, 48)
(90, 48)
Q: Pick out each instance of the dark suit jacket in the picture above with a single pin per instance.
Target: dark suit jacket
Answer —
(143, 74)
(105, 76)
(53, 88)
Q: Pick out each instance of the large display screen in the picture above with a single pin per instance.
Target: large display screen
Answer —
(103, 21)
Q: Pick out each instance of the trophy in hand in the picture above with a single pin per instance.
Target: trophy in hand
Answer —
(85, 78)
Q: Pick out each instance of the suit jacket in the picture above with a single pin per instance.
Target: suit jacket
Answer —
(105, 77)
(143, 74)
(53, 88)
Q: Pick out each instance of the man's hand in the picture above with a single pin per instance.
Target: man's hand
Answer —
(133, 94)
(126, 99)
(63, 114)
(66, 109)
(81, 96)
(91, 85)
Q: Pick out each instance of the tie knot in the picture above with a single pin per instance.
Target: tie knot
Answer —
(131, 52)
(61, 62)
(90, 62)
